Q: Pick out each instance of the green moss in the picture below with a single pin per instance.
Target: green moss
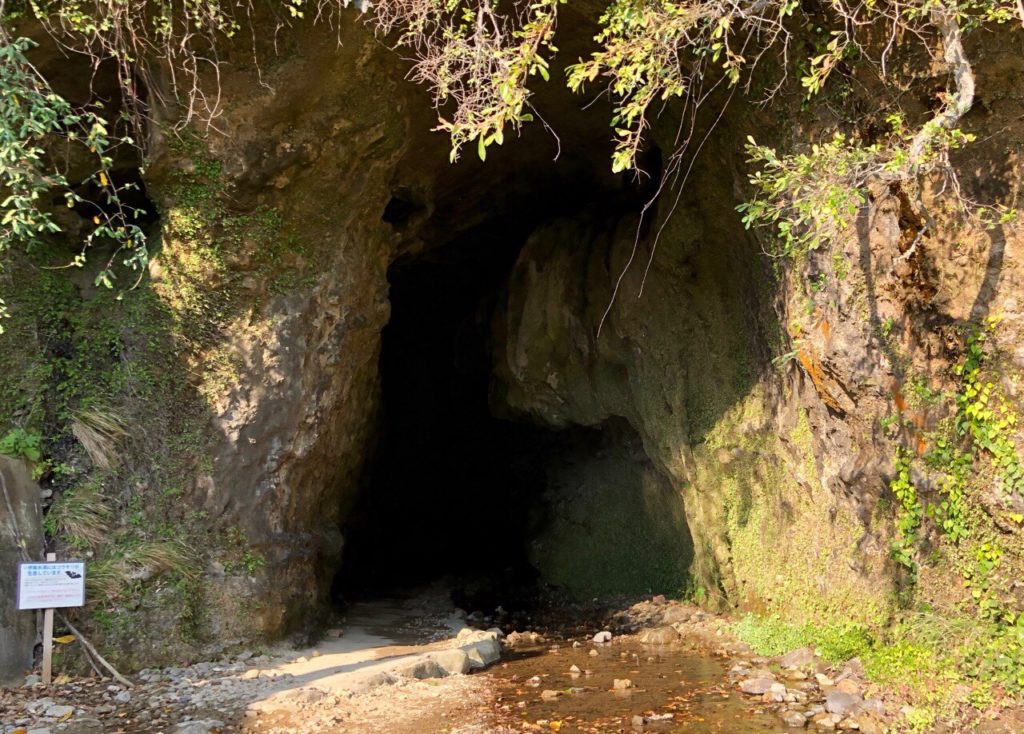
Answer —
(836, 642)
(155, 358)
(613, 526)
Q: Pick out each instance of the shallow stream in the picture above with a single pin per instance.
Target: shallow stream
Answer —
(534, 685)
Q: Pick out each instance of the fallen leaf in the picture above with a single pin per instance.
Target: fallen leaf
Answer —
(64, 639)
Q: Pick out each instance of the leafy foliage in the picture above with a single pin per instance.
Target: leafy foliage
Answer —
(809, 198)
(909, 512)
(20, 443)
(835, 642)
(32, 119)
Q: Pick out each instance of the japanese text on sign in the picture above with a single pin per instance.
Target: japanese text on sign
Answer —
(51, 585)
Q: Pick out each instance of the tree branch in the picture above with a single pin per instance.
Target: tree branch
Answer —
(961, 100)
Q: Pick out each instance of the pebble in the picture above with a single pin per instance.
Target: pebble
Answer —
(56, 711)
(549, 695)
(794, 719)
(621, 684)
(123, 697)
(659, 636)
(823, 680)
(757, 686)
(841, 703)
(575, 670)
(847, 685)
(593, 653)
(797, 658)
(603, 636)
(204, 726)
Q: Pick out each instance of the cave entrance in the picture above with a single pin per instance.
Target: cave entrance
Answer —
(449, 490)
(498, 506)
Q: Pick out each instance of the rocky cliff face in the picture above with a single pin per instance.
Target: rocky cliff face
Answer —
(316, 145)
(20, 540)
(753, 407)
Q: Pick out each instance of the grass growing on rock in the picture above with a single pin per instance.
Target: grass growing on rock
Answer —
(947, 667)
(835, 642)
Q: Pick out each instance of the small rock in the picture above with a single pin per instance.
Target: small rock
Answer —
(826, 721)
(676, 614)
(593, 653)
(659, 599)
(841, 703)
(869, 724)
(621, 684)
(638, 722)
(659, 636)
(549, 695)
(603, 636)
(38, 730)
(848, 685)
(823, 680)
(794, 719)
(757, 686)
(123, 697)
(57, 711)
(202, 726)
(31, 680)
(575, 670)
(873, 706)
(797, 658)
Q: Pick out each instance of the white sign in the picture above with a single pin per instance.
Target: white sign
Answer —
(51, 585)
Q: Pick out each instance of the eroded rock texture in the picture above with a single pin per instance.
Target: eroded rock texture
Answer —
(740, 405)
(20, 540)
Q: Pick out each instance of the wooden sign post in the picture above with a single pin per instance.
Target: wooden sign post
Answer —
(48, 636)
(48, 586)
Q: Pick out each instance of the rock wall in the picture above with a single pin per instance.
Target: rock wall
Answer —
(774, 396)
(609, 522)
(313, 138)
(20, 539)
(756, 396)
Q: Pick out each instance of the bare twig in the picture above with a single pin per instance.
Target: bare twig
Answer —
(88, 646)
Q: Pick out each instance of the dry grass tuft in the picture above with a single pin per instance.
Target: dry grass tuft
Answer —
(100, 431)
(81, 516)
(108, 577)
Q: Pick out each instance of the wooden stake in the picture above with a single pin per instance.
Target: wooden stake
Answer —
(48, 637)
